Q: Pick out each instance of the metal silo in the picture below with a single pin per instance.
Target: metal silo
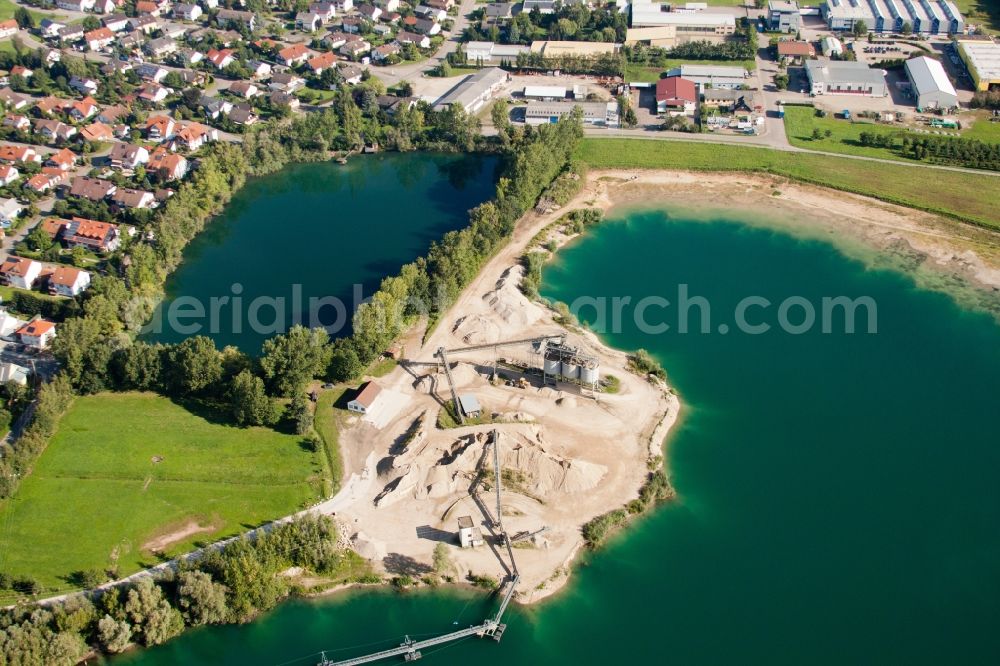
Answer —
(570, 370)
(589, 373)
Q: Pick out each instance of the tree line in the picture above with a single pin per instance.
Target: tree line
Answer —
(949, 150)
(229, 585)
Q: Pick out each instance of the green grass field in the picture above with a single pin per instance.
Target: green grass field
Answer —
(800, 121)
(641, 74)
(981, 12)
(983, 129)
(97, 486)
(968, 197)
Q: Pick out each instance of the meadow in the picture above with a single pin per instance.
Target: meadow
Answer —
(964, 196)
(131, 478)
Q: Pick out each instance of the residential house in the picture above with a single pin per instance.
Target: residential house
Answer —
(366, 398)
(68, 281)
(97, 131)
(244, 89)
(128, 156)
(20, 272)
(150, 71)
(243, 114)
(71, 34)
(344, 5)
(259, 69)
(12, 372)
(285, 82)
(8, 28)
(112, 114)
(83, 109)
(93, 189)
(321, 62)
(22, 71)
(308, 21)
(99, 39)
(221, 58)
(115, 22)
(174, 30)
(132, 42)
(187, 12)
(128, 198)
(161, 47)
(54, 130)
(337, 38)
(91, 234)
(49, 178)
(209, 4)
(352, 24)
(64, 159)
(369, 12)
(148, 7)
(215, 107)
(281, 98)
(19, 154)
(49, 28)
(386, 52)
(115, 66)
(420, 41)
(8, 174)
(430, 13)
(51, 105)
(20, 123)
(85, 85)
(352, 73)
(355, 49)
(193, 136)
(192, 77)
(153, 93)
(676, 95)
(75, 5)
(426, 27)
(294, 55)
(10, 209)
(327, 11)
(144, 25)
(387, 5)
(105, 6)
(249, 19)
(37, 333)
(166, 165)
(13, 101)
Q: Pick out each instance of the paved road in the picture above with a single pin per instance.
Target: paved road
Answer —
(393, 75)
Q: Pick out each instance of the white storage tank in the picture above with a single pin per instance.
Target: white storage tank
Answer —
(552, 366)
(570, 370)
(589, 374)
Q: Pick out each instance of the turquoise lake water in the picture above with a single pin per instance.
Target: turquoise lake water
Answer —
(838, 495)
(326, 228)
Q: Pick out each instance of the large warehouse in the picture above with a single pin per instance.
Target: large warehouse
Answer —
(930, 84)
(599, 114)
(845, 77)
(983, 60)
(934, 17)
(690, 26)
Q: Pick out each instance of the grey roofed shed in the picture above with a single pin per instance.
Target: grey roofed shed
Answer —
(931, 85)
(470, 404)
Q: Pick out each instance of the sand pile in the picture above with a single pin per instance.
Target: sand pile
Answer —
(476, 329)
(368, 548)
(507, 301)
(437, 471)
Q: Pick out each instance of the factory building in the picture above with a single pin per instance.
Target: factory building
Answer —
(596, 114)
(475, 90)
(843, 77)
(713, 76)
(934, 17)
(689, 26)
(982, 59)
(930, 84)
(783, 16)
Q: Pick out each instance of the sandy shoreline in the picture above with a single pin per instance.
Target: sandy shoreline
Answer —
(570, 456)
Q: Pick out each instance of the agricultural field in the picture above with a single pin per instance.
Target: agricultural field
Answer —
(643, 74)
(134, 477)
(964, 196)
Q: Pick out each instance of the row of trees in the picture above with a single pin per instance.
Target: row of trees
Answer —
(949, 150)
(229, 585)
